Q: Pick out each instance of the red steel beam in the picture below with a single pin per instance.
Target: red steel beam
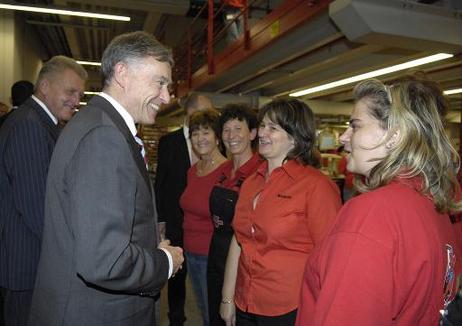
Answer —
(288, 16)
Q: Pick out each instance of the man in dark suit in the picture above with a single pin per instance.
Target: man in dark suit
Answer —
(101, 261)
(175, 156)
(27, 139)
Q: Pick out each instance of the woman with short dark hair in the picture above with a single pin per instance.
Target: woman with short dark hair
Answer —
(197, 225)
(238, 130)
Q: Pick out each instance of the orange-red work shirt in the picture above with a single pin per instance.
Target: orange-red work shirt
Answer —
(296, 206)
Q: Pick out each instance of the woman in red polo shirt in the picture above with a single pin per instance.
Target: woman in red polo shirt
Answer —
(392, 257)
(283, 211)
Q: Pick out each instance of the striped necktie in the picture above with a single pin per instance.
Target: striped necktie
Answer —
(140, 143)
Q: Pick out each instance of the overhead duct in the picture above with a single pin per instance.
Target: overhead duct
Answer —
(399, 23)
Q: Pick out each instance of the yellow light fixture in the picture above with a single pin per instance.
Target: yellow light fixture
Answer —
(453, 91)
(89, 63)
(82, 103)
(91, 93)
(372, 74)
(46, 10)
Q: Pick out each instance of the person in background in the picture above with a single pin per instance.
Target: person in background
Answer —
(101, 261)
(4, 109)
(232, 16)
(392, 257)
(284, 210)
(238, 129)
(175, 157)
(202, 176)
(20, 92)
(27, 139)
(348, 190)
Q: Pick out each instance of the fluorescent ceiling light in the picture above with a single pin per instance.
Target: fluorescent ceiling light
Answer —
(89, 63)
(82, 103)
(372, 74)
(45, 10)
(91, 93)
(453, 91)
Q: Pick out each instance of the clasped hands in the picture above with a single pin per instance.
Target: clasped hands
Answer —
(176, 253)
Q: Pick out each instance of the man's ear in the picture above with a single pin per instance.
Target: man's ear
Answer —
(44, 86)
(394, 139)
(120, 74)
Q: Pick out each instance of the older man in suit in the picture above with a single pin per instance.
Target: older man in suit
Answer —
(27, 139)
(175, 156)
(101, 261)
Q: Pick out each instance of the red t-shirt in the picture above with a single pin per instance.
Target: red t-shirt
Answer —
(194, 202)
(295, 207)
(384, 262)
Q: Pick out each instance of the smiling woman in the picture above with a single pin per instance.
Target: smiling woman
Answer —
(396, 235)
(238, 124)
(284, 209)
(202, 176)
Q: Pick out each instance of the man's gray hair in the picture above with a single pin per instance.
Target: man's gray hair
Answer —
(57, 65)
(132, 46)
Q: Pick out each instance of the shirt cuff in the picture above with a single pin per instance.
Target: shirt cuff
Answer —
(170, 262)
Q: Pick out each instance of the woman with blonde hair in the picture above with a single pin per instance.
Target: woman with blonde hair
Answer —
(392, 257)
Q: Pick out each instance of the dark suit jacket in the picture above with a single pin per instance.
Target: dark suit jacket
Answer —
(172, 168)
(27, 139)
(99, 264)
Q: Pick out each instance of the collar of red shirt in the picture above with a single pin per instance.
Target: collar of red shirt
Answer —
(416, 182)
(292, 168)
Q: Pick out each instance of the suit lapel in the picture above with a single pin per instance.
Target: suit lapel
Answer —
(43, 117)
(183, 146)
(119, 122)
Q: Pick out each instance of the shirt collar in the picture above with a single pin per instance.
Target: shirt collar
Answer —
(122, 111)
(186, 131)
(292, 168)
(250, 165)
(44, 107)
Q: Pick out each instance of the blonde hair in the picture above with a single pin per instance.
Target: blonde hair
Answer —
(422, 148)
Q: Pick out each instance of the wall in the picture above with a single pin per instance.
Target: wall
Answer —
(20, 53)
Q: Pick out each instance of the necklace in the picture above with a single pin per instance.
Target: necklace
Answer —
(203, 167)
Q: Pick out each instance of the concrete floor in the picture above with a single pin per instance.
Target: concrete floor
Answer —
(193, 317)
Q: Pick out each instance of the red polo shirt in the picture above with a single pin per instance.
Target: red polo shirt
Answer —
(384, 262)
(295, 207)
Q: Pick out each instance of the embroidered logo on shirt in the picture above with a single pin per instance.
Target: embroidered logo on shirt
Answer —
(217, 221)
(449, 279)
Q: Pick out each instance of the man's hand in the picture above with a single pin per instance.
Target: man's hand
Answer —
(176, 253)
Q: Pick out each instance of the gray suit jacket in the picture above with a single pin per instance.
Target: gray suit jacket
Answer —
(99, 263)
